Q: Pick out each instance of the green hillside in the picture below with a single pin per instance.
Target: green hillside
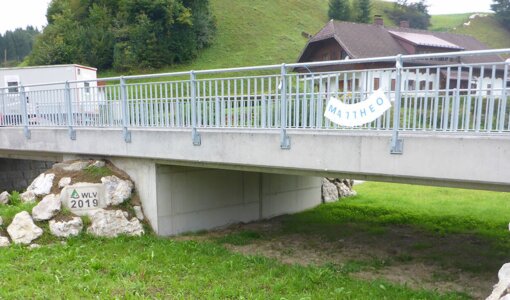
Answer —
(258, 32)
(488, 31)
(448, 22)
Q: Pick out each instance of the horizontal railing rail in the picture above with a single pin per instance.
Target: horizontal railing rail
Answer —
(430, 92)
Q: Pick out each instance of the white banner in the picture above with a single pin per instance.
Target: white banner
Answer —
(359, 113)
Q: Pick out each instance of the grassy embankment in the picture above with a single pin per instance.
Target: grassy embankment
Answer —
(392, 226)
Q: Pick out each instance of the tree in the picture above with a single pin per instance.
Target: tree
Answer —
(339, 10)
(363, 10)
(501, 9)
(124, 34)
(416, 13)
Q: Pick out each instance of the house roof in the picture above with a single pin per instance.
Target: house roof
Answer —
(421, 39)
(371, 40)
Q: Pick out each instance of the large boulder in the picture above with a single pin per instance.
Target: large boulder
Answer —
(112, 223)
(117, 190)
(66, 229)
(329, 191)
(47, 208)
(4, 198)
(23, 230)
(4, 242)
(28, 197)
(41, 186)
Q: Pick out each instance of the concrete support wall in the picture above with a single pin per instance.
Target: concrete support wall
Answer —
(143, 172)
(17, 174)
(192, 199)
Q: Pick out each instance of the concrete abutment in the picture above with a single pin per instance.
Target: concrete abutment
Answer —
(178, 199)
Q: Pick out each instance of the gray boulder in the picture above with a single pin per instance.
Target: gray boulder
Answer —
(4, 242)
(64, 181)
(23, 230)
(47, 208)
(28, 197)
(117, 190)
(41, 186)
(98, 164)
(329, 191)
(66, 229)
(110, 223)
(72, 167)
(4, 198)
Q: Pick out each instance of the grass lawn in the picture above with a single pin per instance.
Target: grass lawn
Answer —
(448, 22)
(442, 243)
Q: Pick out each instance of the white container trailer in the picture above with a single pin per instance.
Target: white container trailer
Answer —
(46, 103)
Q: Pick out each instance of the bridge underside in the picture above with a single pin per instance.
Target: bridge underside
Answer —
(244, 175)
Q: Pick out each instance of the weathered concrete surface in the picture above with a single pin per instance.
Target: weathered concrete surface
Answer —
(17, 174)
(446, 159)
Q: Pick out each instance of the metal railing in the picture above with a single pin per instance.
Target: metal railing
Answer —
(431, 92)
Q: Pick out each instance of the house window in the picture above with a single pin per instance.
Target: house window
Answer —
(343, 54)
(411, 85)
(326, 56)
(393, 84)
(356, 85)
(431, 85)
(87, 87)
(489, 89)
(377, 83)
(12, 86)
(508, 84)
(423, 85)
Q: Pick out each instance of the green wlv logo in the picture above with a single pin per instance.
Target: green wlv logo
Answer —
(75, 195)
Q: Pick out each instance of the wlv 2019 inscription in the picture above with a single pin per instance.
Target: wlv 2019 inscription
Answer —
(83, 198)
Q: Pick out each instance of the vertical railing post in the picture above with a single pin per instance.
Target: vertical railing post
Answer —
(397, 144)
(69, 108)
(124, 106)
(504, 95)
(284, 138)
(24, 111)
(195, 136)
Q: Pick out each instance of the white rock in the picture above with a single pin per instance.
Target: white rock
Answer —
(138, 213)
(4, 198)
(506, 297)
(77, 166)
(64, 181)
(504, 283)
(109, 223)
(23, 230)
(329, 191)
(4, 242)
(47, 208)
(66, 228)
(42, 184)
(28, 197)
(117, 190)
(344, 189)
(98, 164)
(34, 246)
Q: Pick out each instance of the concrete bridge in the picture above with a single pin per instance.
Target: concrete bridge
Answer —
(208, 148)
